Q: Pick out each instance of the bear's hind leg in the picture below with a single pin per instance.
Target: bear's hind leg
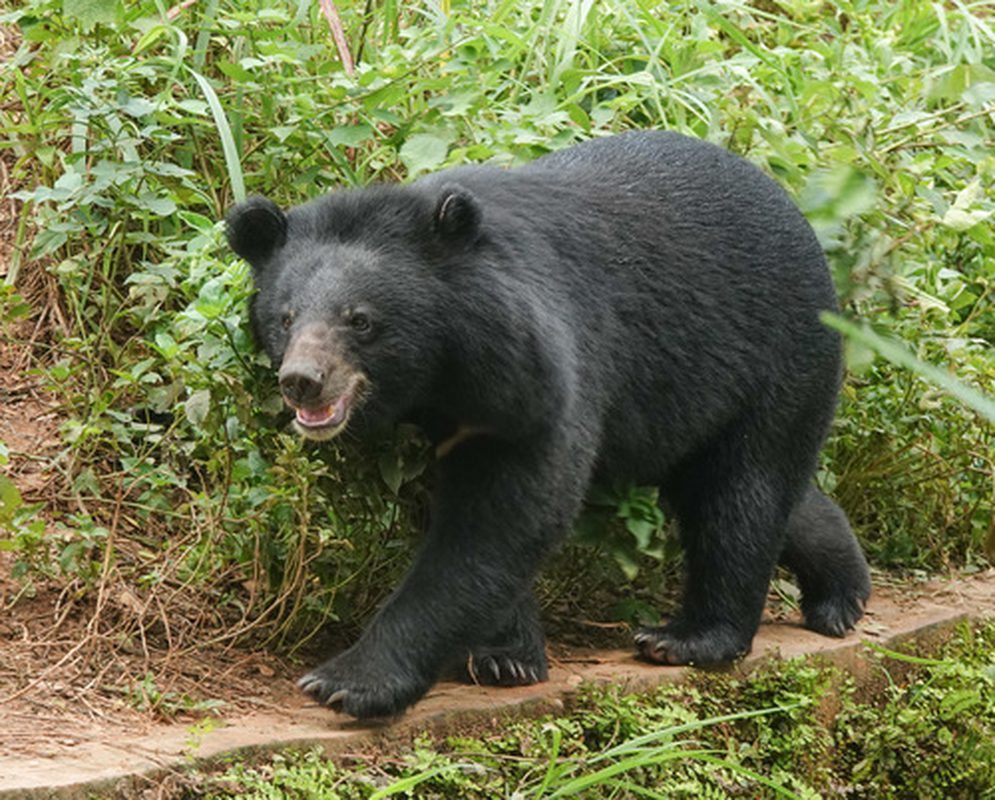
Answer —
(730, 523)
(821, 550)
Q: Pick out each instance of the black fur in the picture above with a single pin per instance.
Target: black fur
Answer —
(642, 308)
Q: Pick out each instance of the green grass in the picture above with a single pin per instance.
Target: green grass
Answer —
(131, 131)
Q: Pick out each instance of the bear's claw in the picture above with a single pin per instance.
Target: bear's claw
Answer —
(344, 684)
(337, 697)
(495, 670)
(834, 616)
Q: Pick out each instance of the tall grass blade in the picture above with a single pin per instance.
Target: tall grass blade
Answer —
(640, 742)
(204, 36)
(905, 658)
(338, 33)
(900, 356)
(570, 36)
(654, 758)
(405, 785)
(232, 161)
(635, 754)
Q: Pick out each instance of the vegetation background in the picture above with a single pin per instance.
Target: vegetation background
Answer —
(129, 129)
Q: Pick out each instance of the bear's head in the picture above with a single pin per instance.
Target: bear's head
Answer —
(351, 297)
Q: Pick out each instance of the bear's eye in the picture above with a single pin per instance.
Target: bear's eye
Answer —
(360, 322)
(287, 319)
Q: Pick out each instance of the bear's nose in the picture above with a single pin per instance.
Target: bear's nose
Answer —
(301, 384)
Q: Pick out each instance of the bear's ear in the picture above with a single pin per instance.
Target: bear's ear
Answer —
(457, 215)
(256, 228)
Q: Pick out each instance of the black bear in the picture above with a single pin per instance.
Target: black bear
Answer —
(641, 308)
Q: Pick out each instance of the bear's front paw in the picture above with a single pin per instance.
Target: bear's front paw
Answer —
(677, 644)
(346, 684)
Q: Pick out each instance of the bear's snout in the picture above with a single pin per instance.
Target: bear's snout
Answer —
(318, 383)
(308, 362)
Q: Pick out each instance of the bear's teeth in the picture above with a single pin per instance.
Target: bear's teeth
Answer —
(338, 411)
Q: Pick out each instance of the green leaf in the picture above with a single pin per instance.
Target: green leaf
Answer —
(90, 13)
(166, 344)
(10, 500)
(232, 160)
(956, 703)
(392, 471)
(835, 195)
(197, 406)
(953, 83)
(424, 152)
(626, 562)
(350, 135)
(642, 530)
(637, 613)
(160, 206)
(150, 39)
(68, 557)
(197, 221)
(961, 216)
(236, 72)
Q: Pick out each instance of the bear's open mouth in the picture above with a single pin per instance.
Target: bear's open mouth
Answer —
(327, 421)
(333, 414)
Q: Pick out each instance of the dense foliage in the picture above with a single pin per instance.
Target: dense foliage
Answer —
(132, 127)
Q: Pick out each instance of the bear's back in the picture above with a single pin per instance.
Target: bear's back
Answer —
(697, 265)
